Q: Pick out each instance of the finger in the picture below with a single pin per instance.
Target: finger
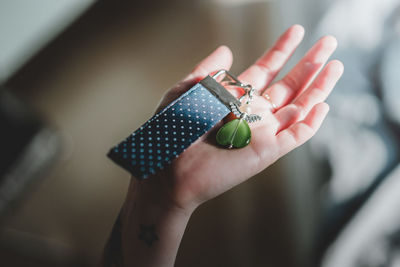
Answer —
(221, 58)
(285, 90)
(264, 70)
(300, 132)
(321, 87)
(316, 93)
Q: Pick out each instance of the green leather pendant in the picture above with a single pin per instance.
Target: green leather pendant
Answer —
(234, 134)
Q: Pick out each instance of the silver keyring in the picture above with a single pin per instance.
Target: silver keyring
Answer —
(248, 88)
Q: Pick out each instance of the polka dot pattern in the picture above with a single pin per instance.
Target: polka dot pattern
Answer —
(168, 133)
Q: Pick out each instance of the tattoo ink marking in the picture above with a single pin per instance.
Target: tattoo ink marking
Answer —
(147, 234)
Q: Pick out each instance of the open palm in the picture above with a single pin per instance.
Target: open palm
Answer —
(206, 170)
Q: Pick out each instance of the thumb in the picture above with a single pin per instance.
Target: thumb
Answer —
(220, 58)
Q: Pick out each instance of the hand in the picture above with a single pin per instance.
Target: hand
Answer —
(206, 170)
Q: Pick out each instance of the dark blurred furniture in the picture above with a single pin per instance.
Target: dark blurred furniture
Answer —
(28, 148)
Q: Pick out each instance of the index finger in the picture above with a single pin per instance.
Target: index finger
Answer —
(264, 70)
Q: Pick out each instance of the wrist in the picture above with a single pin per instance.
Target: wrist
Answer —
(151, 224)
(154, 196)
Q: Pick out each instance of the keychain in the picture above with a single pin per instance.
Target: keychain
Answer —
(237, 133)
(167, 134)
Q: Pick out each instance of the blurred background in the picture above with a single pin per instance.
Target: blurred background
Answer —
(77, 76)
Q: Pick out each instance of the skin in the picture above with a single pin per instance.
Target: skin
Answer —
(205, 170)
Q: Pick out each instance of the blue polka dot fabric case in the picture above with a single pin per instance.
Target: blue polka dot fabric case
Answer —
(168, 133)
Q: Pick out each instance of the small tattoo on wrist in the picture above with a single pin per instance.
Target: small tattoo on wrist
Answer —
(148, 234)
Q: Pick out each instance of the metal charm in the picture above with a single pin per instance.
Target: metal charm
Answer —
(243, 115)
(237, 133)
